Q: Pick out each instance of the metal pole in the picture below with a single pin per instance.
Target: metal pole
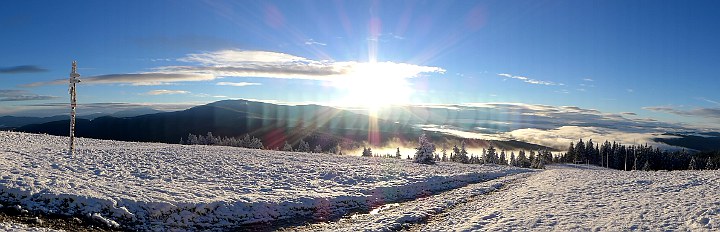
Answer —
(74, 79)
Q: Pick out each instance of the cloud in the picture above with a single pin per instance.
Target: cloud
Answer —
(21, 95)
(528, 80)
(313, 42)
(166, 92)
(553, 126)
(237, 84)
(713, 113)
(52, 109)
(588, 79)
(238, 63)
(561, 137)
(133, 79)
(22, 69)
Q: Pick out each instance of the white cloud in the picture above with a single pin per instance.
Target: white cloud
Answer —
(236, 63)
(153, 78)
(313, 42)
(561, 137)
(528, 80)
(21, 95)
(713, 113)
(238, 84)
(588, 79)
(166, 92)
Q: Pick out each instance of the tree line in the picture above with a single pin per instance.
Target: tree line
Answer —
(637, 157)
(425, 153)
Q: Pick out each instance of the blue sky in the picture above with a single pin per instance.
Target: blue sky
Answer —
(656, 59)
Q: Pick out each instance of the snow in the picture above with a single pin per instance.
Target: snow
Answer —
(12, 226)
(150, 186)
(575, 198)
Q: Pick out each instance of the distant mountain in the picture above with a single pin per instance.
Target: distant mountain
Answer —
(274, 124)
(707, 142)
(13, 121)
(10, 122)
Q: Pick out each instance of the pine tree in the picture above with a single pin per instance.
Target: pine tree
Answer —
(367, 152)
(491, 157)
(502, 160)
(693, 164)
(463, 153)
(246, 141)
(397, 153)
(646, 167)
(256, 143)
(318, 149)
(522, 160)
(425, 150)
(287, 147)
(710, 165)
(513, 162)
(303, 146)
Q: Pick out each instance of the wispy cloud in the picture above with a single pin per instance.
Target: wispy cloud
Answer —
(166, 92)
(588, 79)
(697, 112)
(133, 79)
(21, 95)
(22, 69)
(238, 84)
(313, 42)
(708, 100)
(237, 63)
(528, 80)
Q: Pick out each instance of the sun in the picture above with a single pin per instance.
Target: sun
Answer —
(373, 86)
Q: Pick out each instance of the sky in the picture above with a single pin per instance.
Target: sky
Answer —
(644, 60)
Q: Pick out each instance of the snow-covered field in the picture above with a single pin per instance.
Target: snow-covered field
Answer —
(573, 198)
(150, 186)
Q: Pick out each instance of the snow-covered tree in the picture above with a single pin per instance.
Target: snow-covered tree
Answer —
(425, 150)
(513, 162)
(256, 143)
(693, 164)
(246, 141)
(710, 165)
(397, 154)
(318, 149)
(491, 156)
(502, 160)
(646, 167)
(303, 146)
(367, 152)
(287, 147)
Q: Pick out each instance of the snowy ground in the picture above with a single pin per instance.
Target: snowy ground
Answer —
(148, 186)
(572, 198)
(562, 198)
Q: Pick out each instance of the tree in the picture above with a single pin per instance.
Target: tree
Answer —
(367, 152)
(397, 153)
(502, 160)
(246, 141)
(287, 147)
(303, 146)
(522, 160)
(646, 167)
(318, 149)
(513, 162)
(424, 151)
(693, 164)
(256, 143)
(490, 156)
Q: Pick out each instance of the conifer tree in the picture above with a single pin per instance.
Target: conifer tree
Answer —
(513, 162)
(318, 149)
(397, 154)
(502, 160)
(424, 151)
(287, 147)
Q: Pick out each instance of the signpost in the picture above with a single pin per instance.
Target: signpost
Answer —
(74, 79)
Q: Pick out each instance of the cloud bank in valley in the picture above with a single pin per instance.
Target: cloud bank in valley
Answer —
(552, 126)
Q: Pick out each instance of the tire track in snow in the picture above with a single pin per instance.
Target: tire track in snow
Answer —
(397, 216)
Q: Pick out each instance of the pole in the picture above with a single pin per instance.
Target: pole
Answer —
(74, 79)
